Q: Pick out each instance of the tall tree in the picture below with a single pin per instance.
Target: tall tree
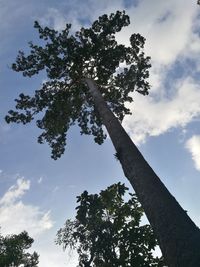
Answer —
(108, 232)
(87, 85)
(13, 251)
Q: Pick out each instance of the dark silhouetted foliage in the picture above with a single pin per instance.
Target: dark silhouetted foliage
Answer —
(64, 99)
(13, 251)
(107, 231)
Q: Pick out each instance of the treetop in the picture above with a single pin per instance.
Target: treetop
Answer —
(67, 58)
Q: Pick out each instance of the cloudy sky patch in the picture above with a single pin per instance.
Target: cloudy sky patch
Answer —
(17, 216)
(193, 146)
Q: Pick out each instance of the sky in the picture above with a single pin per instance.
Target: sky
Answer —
(38, 194)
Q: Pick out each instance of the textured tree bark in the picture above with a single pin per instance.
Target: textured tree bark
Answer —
(178, 236)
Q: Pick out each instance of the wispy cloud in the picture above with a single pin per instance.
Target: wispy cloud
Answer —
(77, 13)
(16, 216)
(15, 192)
(54, 18)
(40, 180)
(193, 146)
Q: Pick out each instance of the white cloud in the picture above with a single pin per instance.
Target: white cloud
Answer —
(165, 24)
(170, 30)
(15, 216)
(193, 146)
(15, 192)
(152, 117)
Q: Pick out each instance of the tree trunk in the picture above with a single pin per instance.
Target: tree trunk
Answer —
(178, 236)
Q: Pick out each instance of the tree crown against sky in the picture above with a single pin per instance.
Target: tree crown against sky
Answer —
(13, 251)
(107, 231)
(67, 58)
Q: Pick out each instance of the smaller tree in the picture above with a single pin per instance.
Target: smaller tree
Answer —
(107, 231)
(13, 251)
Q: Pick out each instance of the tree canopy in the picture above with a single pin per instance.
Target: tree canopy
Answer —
(13, 251)
(67, 59)
(107, 231)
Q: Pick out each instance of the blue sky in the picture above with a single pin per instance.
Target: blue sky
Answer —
(37, 194)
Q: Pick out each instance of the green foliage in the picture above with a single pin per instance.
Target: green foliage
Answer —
(67, 59)
(107, 231)
(13, 251)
